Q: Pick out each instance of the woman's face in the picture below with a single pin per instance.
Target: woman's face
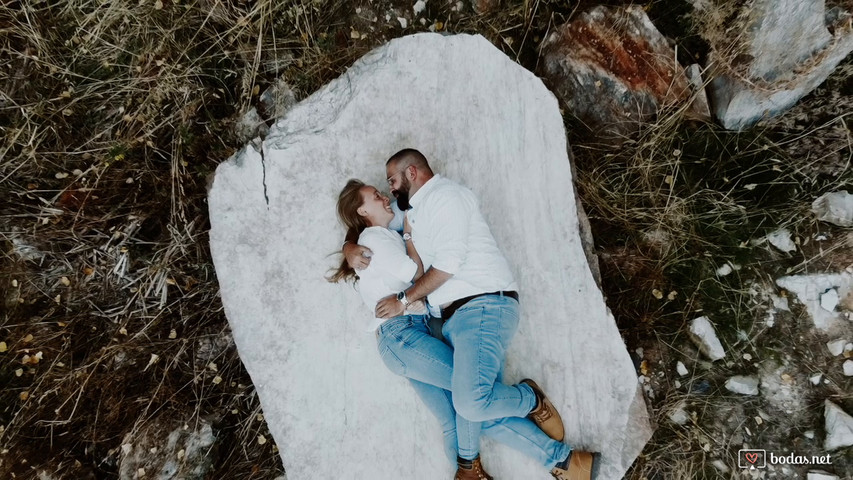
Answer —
(375, 206)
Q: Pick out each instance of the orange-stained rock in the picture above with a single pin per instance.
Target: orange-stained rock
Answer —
(611, 69)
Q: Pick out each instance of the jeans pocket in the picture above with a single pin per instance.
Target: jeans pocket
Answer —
(392, 361)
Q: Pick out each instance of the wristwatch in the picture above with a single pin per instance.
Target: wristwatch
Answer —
(402, 298)
(407, 236)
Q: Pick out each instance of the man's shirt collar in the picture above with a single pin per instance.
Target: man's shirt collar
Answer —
(424, 190)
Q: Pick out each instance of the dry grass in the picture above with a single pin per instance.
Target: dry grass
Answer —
(113, 114)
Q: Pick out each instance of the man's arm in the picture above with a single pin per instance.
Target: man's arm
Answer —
(391, 307)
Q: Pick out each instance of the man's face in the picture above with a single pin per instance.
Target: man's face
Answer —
(399, 185)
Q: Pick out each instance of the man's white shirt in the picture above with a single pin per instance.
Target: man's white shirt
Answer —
(451, 235)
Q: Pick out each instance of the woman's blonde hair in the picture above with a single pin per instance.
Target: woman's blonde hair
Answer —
(349, 201)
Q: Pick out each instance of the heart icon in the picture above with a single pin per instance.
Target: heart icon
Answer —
(751, 457)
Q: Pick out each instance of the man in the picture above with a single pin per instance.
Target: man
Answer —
(470, 279)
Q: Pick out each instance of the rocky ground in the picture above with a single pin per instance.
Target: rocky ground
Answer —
(115, 355)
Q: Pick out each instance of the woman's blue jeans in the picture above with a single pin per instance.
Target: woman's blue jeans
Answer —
(408, 349)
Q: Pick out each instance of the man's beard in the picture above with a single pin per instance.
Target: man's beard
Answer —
(402, 195)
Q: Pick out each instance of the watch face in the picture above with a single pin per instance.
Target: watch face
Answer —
(407, 236)
(400, 296)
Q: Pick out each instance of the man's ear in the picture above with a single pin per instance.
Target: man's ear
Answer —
(362, 212)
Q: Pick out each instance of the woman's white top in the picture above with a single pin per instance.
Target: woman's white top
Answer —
(390, 270)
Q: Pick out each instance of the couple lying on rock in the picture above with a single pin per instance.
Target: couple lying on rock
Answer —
(458, 270)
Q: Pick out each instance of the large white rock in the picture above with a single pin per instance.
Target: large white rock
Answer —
(774, 53)
(839, 426)
(484, 121)
(809, 290)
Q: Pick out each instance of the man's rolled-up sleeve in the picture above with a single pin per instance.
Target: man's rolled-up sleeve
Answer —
(451, 214)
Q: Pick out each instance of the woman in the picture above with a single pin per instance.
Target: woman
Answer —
(404, 342)
(408, 349)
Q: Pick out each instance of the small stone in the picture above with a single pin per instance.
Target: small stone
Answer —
(839, 427)
(140, 473)
(262, 440)
(809, 434)
(836, 347)
(724, 270)
(639, 352)
(677, 384)
(742, 385)
(720, 465)
(758, 420)
(703, 335)
(829, 300)
(217, 380)
(781, 239)
(65, 281)
(173, 333)
(126, 448)
(815, 379)
(681, 369)
(181, 454)
(747, 357)
(780, 303)
(419, 7)
(679, 415)
(820, 475)
(835, 207)
(848, 368)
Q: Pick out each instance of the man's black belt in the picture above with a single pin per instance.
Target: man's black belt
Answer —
(448, 312)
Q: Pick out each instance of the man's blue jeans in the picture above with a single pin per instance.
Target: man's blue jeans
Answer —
(408, 349)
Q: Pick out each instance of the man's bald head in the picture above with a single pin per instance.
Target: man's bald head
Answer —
(406, 157)
(407, 171)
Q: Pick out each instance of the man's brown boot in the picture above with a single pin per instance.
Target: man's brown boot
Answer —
(544, 414)
(470, 470)
(577, 466)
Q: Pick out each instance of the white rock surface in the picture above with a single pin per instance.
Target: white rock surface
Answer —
(742, 385)
(785, 51)
(834, 207)
(703, 335)
(484, 121)
(681, 369)
(848, 368)
(809, 288)
(781, 239)
(839, 426)
(836, 347)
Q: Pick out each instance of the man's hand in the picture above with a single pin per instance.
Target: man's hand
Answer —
(389, 307)
(357, 257)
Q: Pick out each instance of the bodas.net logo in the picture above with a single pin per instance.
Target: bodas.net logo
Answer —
(751, 458)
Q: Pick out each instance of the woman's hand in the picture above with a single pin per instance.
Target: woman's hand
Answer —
(389, 307)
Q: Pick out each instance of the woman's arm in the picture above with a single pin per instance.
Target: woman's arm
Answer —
(411, 251)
